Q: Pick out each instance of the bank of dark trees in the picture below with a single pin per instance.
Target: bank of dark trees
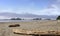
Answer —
(37, 19)
(16, 19)
(58, 18)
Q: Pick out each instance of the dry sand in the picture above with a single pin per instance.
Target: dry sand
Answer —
(32, 25)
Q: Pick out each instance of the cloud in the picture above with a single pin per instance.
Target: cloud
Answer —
(6, 10)
(3, 17)
(52, 9)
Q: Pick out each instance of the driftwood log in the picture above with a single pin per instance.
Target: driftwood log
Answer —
(15, 25)
(36, 32)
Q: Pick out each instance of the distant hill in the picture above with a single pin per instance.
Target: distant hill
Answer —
(28, 15)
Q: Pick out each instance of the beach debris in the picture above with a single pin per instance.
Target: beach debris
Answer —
(15, 25)
(52, 31)
(28, 32)
(36, 32)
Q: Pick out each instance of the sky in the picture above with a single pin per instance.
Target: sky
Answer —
(39, 7)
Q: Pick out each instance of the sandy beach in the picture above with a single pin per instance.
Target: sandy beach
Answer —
(42, 25)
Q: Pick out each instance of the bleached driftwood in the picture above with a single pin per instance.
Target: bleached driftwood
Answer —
(22, 31)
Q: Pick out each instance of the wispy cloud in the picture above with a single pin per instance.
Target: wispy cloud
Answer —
(52, 9)
(40, 7)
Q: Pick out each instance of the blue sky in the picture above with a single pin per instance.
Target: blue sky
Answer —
(39, 7)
